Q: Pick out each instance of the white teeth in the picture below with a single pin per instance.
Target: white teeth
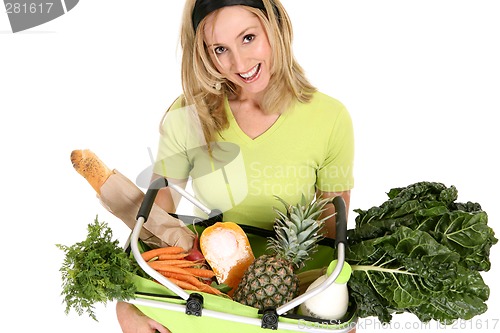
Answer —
(251, 73)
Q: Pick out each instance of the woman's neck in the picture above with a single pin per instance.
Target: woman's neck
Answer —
(250, 100)
(251, 119)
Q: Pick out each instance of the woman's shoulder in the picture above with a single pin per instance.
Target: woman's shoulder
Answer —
(321, 99)
(178, 114)
(324, 105)
(178, 103)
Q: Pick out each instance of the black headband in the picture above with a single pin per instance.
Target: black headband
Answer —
(204, 7)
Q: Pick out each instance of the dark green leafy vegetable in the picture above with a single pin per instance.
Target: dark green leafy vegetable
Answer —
(221, 287)
(420, 252)
(96, 270)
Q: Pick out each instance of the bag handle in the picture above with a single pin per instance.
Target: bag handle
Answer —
(216, 215)
(156, 185)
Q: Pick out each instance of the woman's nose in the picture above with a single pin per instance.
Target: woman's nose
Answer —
(238, 60)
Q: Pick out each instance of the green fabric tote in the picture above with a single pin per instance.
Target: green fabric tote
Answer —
(216, 314)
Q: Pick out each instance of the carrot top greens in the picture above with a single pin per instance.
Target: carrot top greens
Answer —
(96, 270)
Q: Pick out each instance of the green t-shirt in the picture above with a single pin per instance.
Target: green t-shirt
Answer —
(309, 147)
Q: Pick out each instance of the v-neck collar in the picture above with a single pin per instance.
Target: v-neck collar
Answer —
(234, 126)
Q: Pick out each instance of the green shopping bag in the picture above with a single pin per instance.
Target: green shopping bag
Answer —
(207, 313)
(221, 314)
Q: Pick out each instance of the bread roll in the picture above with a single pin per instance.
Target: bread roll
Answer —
(87, 164)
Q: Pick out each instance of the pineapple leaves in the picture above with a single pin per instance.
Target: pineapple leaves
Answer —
(420, 252)
(298, 230)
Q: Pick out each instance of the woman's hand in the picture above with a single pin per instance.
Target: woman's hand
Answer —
(169, 199)
(134, 321)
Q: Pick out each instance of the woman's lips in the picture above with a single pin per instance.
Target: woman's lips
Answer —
(251, 75)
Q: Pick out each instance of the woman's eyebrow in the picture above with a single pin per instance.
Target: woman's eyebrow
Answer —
(241, 34)
(244, 32)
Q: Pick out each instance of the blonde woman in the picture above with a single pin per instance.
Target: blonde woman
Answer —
(249, 125)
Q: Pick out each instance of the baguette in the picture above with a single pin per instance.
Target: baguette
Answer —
(87, 164)
(123, 198)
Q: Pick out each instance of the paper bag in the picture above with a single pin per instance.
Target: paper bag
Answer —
(122, 198)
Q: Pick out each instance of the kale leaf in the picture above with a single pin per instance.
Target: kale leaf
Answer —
(420, 252)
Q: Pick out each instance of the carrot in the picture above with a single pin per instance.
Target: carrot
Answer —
(183, 284)
(148, 255)
(203, 286)
(200, 286)
(173, 275)
(162, 266)
(176, 256)
(211, 290)
(182, 277)
(158, 264)
(201, 272)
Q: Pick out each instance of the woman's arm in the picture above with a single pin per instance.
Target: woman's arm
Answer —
(132, 320)
(330, 209)
(167, 198)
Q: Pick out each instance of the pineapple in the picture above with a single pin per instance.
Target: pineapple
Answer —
(270, 281)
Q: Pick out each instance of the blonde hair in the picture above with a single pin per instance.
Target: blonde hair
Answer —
(288, 82)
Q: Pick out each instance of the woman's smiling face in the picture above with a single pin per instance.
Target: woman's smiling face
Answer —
(239, 48)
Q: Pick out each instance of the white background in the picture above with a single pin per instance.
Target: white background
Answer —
(420, 78)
